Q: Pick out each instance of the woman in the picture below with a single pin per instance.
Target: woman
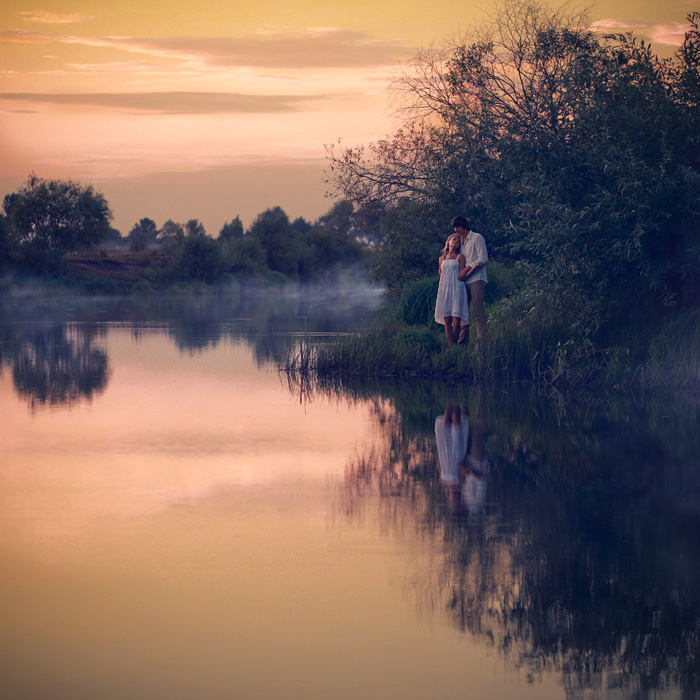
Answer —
(452, 305)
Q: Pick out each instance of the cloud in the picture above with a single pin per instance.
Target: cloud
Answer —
(43, 17)
(320, 47)
(21, 36)
(171, 102)
(610, 25)
(669, 33)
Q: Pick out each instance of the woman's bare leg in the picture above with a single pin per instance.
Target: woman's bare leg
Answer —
(455, 328)
(451, 339)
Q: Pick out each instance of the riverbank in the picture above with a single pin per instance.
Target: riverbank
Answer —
(522, 346)
(95, 273)
(117, 273)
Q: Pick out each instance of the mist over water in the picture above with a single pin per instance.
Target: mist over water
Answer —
(175, 522)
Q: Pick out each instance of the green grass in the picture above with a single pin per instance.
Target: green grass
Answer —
(673, 356)
(522, 345)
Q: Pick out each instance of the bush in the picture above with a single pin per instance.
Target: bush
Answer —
(243, 257)
(197, 258)
(504, 280)
(141, 287)
(416, 305)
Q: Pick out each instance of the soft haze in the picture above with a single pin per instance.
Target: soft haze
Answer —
(215, 109)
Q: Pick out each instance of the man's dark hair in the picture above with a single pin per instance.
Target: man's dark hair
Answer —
(462, 222)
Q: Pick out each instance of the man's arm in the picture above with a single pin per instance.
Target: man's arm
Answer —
(469, 269)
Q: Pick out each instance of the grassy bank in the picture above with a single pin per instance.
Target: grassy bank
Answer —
(524, 344)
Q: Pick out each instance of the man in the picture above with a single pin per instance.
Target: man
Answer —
(474, 275)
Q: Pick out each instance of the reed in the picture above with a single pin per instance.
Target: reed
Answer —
(526, 343)
(673, 355)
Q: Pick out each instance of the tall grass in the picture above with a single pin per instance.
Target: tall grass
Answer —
(526, 342)
(673, 357)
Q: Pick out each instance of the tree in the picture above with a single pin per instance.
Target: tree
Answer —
(49, 218)
(4, 243)
(113, 237)
(272, 231)
(364, 223)
(194, 227)
(301, 225)
(197, 257)
(172, 232)
(142, 234)
(232, 231)
(339, 218)
(576, 155)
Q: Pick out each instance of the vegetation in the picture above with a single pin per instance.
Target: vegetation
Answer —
(142, 234)
(578, 157)
(60, 231)
(48, 218)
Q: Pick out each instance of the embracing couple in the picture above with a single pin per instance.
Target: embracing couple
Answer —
(462, 283)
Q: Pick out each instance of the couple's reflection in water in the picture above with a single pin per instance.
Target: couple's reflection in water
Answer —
(461, 448)
(582, 561)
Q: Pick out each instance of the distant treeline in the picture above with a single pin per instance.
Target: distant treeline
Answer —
(46, 222)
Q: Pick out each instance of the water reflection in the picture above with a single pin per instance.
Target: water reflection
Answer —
(60, 364)
(53, 345)
(462, 456)
(583, 559)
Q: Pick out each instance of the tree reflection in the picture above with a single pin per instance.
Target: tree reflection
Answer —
(55, 365)
(583, 559)
(269, 321)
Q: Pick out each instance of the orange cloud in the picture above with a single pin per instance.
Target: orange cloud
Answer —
(21, 36)
(53, 18)
(171, 102)
(667, 33)
(311, 48)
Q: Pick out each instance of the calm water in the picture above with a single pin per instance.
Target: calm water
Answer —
(179, 521)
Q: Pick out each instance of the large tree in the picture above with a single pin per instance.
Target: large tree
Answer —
(49, 218)
(576, 154)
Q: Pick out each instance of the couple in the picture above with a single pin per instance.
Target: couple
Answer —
(462, 282)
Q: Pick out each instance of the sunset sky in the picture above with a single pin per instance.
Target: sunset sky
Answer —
(212, 109)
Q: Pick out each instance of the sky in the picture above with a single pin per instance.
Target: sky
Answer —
(221, 108)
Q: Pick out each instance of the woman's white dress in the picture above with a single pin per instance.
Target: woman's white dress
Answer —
(452, 294)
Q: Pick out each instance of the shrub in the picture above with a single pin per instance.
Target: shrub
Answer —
(243, 256)
(197, 258)
(416, 305)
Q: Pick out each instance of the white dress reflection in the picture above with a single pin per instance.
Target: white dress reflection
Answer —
(451, 435)
(462, 459)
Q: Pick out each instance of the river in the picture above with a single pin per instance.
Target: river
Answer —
(180, 520)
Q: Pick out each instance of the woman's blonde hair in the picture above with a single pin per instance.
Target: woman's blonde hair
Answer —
(446, 247)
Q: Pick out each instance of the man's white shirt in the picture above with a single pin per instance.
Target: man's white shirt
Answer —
(473, 249)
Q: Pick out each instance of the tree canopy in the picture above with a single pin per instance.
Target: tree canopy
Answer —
(142, 234)
(576, 155)
(48, 218)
